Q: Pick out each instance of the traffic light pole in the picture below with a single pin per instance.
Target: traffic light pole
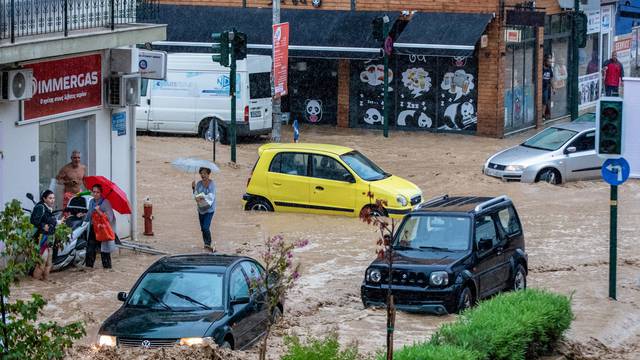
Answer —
(385, 108)
(613, 240)
(232, 92)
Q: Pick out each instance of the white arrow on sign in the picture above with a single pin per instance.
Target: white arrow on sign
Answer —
(618, 170)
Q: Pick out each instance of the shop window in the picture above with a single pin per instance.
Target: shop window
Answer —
(589, 71)
(520, 80)
(557, 50)
(313, 91)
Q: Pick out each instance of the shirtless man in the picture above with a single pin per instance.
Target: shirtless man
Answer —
(71, 176)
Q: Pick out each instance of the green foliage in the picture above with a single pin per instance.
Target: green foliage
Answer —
(510, 326)
(23, 337)
(62, 234)
(427, 351)
(318, 349)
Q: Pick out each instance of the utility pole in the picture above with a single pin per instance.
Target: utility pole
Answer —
(573, 104)
(275, 100)
(232, 92)
(386, 51)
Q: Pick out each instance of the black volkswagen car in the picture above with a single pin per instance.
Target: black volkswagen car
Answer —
(449, 253)
(187, 299)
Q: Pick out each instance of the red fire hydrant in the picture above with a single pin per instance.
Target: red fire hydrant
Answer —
(148, 217)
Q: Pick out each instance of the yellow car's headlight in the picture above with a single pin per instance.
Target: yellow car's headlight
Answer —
(107, 340)
(191, 341)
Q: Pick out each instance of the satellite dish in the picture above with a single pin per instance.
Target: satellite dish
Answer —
(19, 84)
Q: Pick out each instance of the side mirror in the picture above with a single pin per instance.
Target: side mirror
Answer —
(349, 178)
(30, 196)
(240, 300)
(570, 150)
(122, 296)
(485, 244)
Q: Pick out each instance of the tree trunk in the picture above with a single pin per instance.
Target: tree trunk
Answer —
(263, 347)
(391, 320)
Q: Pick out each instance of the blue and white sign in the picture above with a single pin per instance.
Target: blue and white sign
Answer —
(615, 171)
(119, 123)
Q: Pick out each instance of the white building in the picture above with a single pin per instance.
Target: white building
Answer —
(69, 107)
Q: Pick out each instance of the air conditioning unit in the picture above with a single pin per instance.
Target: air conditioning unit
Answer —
(16, 85)
(124, 90)
(124, 60)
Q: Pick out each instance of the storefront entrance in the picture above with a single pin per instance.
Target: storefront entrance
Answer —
(519, 82)
(57, 141)
(557, 38)
(313, 91)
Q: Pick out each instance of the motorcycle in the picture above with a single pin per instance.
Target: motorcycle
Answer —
(74, 251)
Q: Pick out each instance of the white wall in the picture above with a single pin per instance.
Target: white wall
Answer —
(120, 146)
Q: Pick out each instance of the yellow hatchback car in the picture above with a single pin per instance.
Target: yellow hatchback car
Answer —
(324, 179)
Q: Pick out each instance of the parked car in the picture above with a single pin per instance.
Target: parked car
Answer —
(324, 179)
(196, 91)
(185, 299)
(557, 154)
(449, 253)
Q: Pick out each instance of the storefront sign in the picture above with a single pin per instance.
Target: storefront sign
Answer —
(525, 17)
(63, 86)
(593, 21)
(280, 58)
(605, 19)
(622, 47)
(119, 123)
(512, 35)
(152, 64)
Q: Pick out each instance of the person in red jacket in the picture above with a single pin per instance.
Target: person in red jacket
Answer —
(612, 71)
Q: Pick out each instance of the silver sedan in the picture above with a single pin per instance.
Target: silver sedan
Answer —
(559, 153)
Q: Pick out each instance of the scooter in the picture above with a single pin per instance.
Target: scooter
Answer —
(75, 250)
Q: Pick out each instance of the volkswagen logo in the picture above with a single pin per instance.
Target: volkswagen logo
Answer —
(404, 276)
(146, 344)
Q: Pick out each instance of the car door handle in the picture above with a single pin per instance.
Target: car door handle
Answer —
(319, 188)
(277, 183)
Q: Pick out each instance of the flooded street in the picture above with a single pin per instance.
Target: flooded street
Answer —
(566, 231)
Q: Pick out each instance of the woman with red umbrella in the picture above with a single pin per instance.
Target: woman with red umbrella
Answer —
(107, 197)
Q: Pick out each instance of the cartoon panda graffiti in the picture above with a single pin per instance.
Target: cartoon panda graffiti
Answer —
(373, 116)
(313, 110)
(460, 116)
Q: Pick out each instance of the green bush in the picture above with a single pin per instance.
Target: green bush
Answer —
(427, 351)
(510, 326)
(517, 325)
(318, 349)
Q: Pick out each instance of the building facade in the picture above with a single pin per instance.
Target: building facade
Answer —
(68, 67)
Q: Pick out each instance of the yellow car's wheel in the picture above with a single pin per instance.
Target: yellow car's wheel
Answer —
(259, 204)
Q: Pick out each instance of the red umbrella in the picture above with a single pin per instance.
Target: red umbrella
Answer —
(111, 192)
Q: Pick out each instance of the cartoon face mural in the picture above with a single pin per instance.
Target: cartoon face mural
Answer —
(373, 116)
(459, 116)
(423, 119)
(374, 75)
(458, 83)
(417, 80)
(313, 110)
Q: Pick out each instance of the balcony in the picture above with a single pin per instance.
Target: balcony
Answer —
(32, 29)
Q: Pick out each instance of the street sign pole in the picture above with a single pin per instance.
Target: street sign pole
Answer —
(613, 240)
(385, 32)
(232, 92)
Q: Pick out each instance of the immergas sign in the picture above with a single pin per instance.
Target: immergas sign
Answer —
(63, 86)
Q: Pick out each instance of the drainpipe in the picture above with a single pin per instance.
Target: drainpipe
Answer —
(132, 172)
(574, 64)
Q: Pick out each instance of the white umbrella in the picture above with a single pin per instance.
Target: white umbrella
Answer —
(192, 165)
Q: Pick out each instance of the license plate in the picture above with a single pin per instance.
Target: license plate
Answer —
(492, 172)
(256, 113)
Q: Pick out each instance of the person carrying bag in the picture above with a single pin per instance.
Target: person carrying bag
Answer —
(101, 234)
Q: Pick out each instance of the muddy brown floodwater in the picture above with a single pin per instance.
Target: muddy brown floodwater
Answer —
(566, 229)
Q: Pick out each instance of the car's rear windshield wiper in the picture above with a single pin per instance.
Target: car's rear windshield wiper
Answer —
(191, 300)
(157, 299)
(435, 248)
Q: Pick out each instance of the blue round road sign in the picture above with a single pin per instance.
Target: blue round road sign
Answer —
(615, 171)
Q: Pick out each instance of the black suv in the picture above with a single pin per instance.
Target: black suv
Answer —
(450, 252)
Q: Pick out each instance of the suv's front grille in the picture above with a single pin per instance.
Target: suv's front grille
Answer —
(405, 278)
(496, 166)
(147, 343)
(416, 200)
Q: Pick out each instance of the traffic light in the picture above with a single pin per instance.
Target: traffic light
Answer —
(221, 48)
(609, 127)
(240, 45)
(581, 29)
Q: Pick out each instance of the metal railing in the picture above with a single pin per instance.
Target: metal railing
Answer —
(22, 18)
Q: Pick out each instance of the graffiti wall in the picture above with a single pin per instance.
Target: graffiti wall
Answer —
(428, 93)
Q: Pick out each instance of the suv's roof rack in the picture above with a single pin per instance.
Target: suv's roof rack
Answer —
(492, 202)
(434, 200)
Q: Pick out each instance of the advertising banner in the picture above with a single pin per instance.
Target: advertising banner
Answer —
(280, 57)
(63, 86)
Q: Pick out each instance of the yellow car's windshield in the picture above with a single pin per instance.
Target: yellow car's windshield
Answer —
(365, 168)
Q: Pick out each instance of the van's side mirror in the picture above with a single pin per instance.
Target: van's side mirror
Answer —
(349, 178)
(570, 150)
(122, 296)
(485, 244)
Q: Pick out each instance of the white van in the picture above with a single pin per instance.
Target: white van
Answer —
(196, 91)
